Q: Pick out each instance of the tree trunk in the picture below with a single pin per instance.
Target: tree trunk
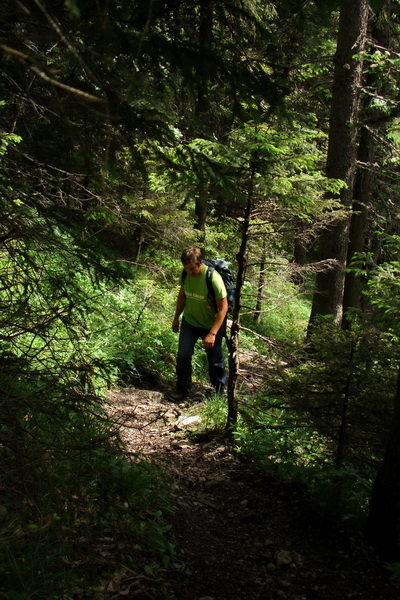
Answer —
(205, 66)
(341, 157)
(137, 243)
(300, 258)
(260, 287)
(201, 210)
(233, 360)
(352, 283)
(362, 190)
(204, 73)
(235, 327)
(383, 522)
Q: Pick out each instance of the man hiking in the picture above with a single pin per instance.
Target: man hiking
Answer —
(202, 318)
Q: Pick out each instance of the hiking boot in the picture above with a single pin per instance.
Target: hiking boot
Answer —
(178, 397)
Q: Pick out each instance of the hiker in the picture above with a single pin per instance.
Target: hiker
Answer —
(202, 318)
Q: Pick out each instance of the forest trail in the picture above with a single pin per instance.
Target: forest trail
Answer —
(240, 533)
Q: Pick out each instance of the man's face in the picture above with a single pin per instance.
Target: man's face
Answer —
(193, 268)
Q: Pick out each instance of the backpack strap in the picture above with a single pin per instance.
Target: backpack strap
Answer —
(211, 291)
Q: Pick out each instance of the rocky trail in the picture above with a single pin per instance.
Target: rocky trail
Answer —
(240, 533)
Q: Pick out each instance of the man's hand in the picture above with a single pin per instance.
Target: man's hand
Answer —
(175, 325)
(209, 341)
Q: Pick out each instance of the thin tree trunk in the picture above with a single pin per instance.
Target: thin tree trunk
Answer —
(137, 243)
(260, 287)
(299, 260)
(201, 210)
(233, 360)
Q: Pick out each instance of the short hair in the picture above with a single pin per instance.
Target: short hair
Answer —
(191, 255)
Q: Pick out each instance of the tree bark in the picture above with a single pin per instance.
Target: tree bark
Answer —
(201, 211)
(260, 287)
(204, 73)
(341, 157)
(362, 190)
(300, 257)
(233, 360)
(205, 67)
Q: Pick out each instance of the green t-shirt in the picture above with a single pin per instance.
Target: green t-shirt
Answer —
(199, 308)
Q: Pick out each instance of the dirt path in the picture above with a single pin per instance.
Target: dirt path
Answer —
(241, 534)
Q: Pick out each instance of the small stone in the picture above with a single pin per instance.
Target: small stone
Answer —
(283, 558)
(188, 422)
(182, 444)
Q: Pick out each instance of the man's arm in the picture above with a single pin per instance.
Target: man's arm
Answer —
(180, 305)
(222, 306)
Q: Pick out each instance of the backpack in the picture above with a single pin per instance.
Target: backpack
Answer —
(221, 266)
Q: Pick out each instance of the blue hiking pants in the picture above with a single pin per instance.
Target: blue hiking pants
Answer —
(188, 336)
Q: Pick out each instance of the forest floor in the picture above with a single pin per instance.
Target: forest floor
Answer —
(240, 533)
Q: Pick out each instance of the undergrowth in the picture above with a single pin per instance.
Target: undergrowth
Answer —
(320, 416)
(81, 508)
(73, 508)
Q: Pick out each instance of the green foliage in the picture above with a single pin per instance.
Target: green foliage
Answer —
(66, 484)
(131, 331)
(383, 64)
(394, 569)
(7, 139)
(347, 379)
(269, 440)
(213, 412)
(383, 293)
(345, 491)
(79, 516)
(285, 307)
(320, 416)
(297, 453)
